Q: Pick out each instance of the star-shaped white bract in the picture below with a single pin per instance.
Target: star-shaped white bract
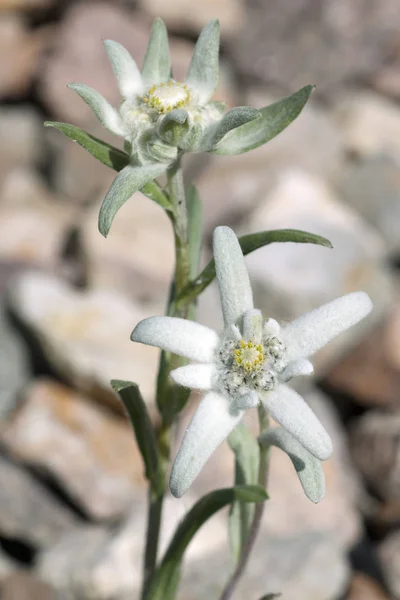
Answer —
(250, 362)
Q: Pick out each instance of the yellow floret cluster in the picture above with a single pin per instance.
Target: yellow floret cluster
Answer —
(161, 97)
(249, 356)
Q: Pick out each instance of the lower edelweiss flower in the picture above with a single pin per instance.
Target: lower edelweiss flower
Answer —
(250, 362)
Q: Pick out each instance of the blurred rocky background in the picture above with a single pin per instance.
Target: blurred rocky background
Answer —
(72, 490)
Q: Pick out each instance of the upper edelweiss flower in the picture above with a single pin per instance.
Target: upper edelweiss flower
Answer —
(160, 116)
(251, 361)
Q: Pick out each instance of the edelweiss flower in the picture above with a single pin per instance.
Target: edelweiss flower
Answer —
(250, 362)
(160, 116)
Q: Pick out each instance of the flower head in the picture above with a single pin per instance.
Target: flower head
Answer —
(251, 361)
(160, 116)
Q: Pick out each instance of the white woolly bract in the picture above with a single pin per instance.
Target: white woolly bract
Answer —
(307, 334)
(233, 279)
(291, 411)
(211, 424)
(179, 336)
(197, 377)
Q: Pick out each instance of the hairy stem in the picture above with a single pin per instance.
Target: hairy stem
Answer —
(169, 397)
(258, 513)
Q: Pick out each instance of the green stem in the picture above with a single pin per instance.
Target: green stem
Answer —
(258, 513)
(168, 394)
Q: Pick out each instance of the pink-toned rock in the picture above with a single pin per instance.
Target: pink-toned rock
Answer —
(138, 255)
(366, 373)
(19, 55)
(363, 587)
(90, 452)
(24, 586)
(179, 14)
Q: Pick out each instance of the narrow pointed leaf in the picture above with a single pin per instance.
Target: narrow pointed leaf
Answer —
(195, 228)
(167, 575)
(250, 493)
(203, 74)
(275, 118)
(127, 182)
(174, 126)
(308, 468)
(105, 153)
(125, 69)
(247, 459)
(109, 156)
(106, 114)
(234, 118)
(144, 432)
(157, 62)
(271, 596)
(249, 243)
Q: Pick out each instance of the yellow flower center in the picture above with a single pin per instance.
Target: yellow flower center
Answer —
(249, 356)
(167, 96)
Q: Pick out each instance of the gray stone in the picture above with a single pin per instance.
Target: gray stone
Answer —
(300, 568)
(315, 42)
(85, 334)
(28, 511)
(291, 279)
(14, 366)
(370, 124)
(78, 444)
(372, 188)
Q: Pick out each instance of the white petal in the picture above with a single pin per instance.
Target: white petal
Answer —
(312, 331)
(291, 411)
(107, 114)
(309, 469)
(197, 377)
(302, 366)
(125, 69)
(271, 327)
(179, 336)
(211, 424)
(233, 279)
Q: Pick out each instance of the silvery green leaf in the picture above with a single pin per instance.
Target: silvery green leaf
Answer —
(271, 596)
(203, 74)
(195, 228)
(231, 120)
(144, 432)
(125, 69)
(191, 142)
(308, 468)
(157, 62)
(160, 151)
(174, 126)
(127, 182)
(275, 118)
(218, 106)
(247, 458)
(251, 242)
(105, 153)
(166, 579)
(106, 114)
